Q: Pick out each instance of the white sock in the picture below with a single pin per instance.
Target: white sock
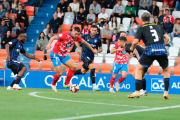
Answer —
(94, 85)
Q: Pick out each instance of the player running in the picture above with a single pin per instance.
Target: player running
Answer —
(88, 56)
(120, 63)
(59, 54)
(152, 36)
(13, 48)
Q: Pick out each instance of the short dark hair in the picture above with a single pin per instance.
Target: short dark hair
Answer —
(122, 32)
(119, 0)
(95, 0)
(115, 29)
(167, 17)
(145, 16)
(122, 38)
(18, 32)
(94, 26)
(86, 24)
(76, 29)
(167, 10)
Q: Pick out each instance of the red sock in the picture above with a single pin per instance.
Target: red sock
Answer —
(121, 79)
(112, 82)
(69, 76)
(55, 79)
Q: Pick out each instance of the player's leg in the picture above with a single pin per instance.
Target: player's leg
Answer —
(143, 83)
(124, 71)
(84, 69)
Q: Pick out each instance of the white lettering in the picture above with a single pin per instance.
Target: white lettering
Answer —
(83, 82)
(49, 76)
(89, 83)
(101, 83)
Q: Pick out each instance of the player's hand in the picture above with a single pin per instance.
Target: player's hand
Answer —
(95, 52)
(79, 51)
(119, 49)
(37, 59)
(48, 47)
(8, 58)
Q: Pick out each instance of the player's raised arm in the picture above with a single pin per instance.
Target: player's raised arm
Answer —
(48, 47)
(89, 46)
(79, 48)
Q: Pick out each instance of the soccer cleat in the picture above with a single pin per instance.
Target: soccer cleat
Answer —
(96, 89)
(54, 88)
(166, 96)
(143, 93)
(10, 88)
(16, 87)
(111, 90)
(117, 86)
(134, 95)
(66, 86)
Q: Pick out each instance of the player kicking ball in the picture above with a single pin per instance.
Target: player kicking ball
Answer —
(88, 56)
(152, 36)
(59, 54)
(120, 63)
(13, 48)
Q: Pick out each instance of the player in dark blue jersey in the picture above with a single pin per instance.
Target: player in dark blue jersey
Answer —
(13, 48)
(88, 56)
(155, 39)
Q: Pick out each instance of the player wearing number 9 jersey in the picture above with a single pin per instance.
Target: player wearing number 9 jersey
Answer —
(59, 54)
(155, 39)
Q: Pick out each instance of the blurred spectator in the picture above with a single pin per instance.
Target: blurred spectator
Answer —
(144, 3)
(99, 31)
(69, 16)
(154, 9)
(22, 16)
(161, 16)
(14, 20)
(8, 21)
(102, 17)
(2, 11)
(85, 30)
(96, 7)
(17, 26)
(118, 10)
(106, 36)
(7, 38)
(115, 36)
(102, 3)
(89, 1)
(136, 4)
(156, 21)
(113, 23)
(176, 29)
(177, 5)
(68, 2)
(168, 15)
(3, 29)
(168, 27)
(32, 3)
(110, 3)
(41, 43)
(143, 8)
(165, 6)
(129, 10)
(15, 4)
(48, 31)
(54, 23)
(6, 5)
(63, 6)
(60, 14)
(85, 5)
(75, 6)
(133, 27)
(91, 17)
(80, 17)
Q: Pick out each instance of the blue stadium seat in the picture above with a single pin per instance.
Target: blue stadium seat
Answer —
(49, 5)
(46, 10)
(29, 48)
(40, 21)
(51, 1)
(45, 14)
(34, 31)
(36, 26)
(32, 38)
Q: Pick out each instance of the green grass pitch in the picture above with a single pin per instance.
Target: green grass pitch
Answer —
(46, 104)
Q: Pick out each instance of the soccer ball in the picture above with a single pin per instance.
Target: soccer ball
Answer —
(74, 88)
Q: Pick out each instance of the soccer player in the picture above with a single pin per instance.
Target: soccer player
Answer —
(88, 56)
(120, 63)
(13, 48)
(59, 54)
(152, 36)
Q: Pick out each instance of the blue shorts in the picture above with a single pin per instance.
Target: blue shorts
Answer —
(121, 67)
(56, 59)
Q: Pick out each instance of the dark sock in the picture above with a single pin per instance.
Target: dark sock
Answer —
(166, 84)
(18, 80)
(143, 82)
(92, 75)
(77, 72)
(13, 83)
(138, 85)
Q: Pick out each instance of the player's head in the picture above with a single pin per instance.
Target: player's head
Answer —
(123, 33)
(178, 20)
(86, 26)
(21, 36)
(122, 41)
(167, 19)
(94, 30)
(75, 32)
(145, 17)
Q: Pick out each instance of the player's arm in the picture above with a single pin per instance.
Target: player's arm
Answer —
(114, 50)
(89, 46)
(48, 47)
(79, 48)
(30, 57)
(136, 53)
(134, 43)
(166, 39)
(100, 49)
(7, 51)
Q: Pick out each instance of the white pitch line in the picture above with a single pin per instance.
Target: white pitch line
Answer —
(117, 113)
(99, 103)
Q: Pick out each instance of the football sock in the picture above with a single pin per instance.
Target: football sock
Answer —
(77, 72)
(143, 82)
(69, 76)
(121, 79)
(55, 79)
(112, 82)
(166, 84)
(13, 83)
(18, 80)
(138, 85)
(92, 75)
